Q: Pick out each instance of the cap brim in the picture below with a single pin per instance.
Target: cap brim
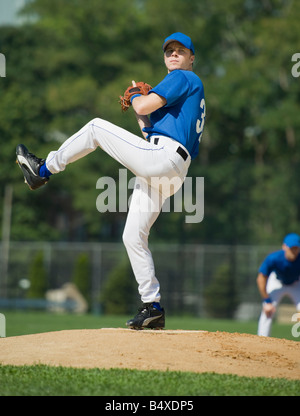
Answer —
(170, 41)
(175, 40)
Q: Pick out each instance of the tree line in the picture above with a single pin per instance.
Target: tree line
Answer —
(70, 62)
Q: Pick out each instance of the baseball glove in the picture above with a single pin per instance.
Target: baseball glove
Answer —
(140, 88)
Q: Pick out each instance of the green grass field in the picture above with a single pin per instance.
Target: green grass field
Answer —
(22, 323)
(40, 380)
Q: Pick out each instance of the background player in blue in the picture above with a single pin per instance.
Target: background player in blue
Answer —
(279, 276)
(173, 132)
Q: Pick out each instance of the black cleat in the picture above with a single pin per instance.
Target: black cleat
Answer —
(148, 317)
(30, 166)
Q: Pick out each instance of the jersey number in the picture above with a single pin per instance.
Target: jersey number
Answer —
(200, 123)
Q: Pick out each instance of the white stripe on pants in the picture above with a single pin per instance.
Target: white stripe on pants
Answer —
(152, 164)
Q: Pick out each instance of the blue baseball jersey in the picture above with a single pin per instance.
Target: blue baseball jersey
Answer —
(287, 271)
(183, 116)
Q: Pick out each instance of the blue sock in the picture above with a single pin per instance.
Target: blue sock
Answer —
(157, 306)
(44, 172)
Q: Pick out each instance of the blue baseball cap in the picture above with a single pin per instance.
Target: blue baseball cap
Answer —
(181, 38)
(292, 240)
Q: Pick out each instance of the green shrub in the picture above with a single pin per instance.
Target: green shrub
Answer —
(220, 296)
(38, 277)
(82, 275)
(119, 293)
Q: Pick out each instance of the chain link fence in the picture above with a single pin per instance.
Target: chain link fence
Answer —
(202, 280)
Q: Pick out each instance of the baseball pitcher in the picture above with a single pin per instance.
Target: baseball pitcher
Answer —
(278, 276)
(171, 117)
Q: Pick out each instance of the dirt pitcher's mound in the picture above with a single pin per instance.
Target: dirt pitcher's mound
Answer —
(173, 350)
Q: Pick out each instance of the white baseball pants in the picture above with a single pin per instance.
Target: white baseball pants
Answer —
(160, 172)
(276, 290)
